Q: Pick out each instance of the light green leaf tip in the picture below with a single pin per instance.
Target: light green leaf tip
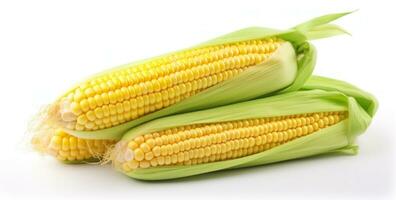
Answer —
(318, 27)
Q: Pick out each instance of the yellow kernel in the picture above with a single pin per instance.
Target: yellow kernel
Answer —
(174, 158)
(144, 164)
(150, 142)
(112, 97)
(154, 162)
(336, 118)
(56, 142)
(139, 140)
(133, 164)
(311, 120)
(171, 139)
(326, 120)
(84, 105)
(299, 122)
(252, 141)
(310, 129)
(168, 160)
(158, 141)
(169, 149)
(73, 143)
(157, 151)
(285, 136)
(304, 130)
(213, 149)
(91, 115)
(264, 139)
(201, 152)
(187, 145)
(236, 145)
(126, 167)
(139, 154)
(280, 136)
(65, 144)
(175, 148)
(269, 138)
(126, 105)
(105, 98)
(78, 96)
(91, 102)
(89, 125)
(321, 123)
(316, 117)
(303, 121)
(315, 126)
(275, 137)
(145, 147)
(75, 108)
(149, 156)
(99, 113)
(119, 108)
(89, 92)
(164, 150)
(161, 160)
(223, 148)
(98, 100)
(331, 120)
(203, 141)
(82, 119)
(106, 111)
(299, 131)
(112, 109)
(133, 145)
(207, 151)
(180, 157)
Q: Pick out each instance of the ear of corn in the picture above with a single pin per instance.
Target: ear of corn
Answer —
(236, 67)
(326, 116)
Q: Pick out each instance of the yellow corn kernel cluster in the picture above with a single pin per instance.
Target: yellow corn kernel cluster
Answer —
(66, 147)
(128, 93)
(195, 144)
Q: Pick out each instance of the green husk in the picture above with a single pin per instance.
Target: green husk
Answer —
(280, 74)
(319, 94)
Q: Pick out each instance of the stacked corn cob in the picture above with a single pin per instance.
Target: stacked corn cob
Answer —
(235, 101)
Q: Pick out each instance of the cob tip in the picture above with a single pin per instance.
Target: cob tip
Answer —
(117, 154)
(42, 127)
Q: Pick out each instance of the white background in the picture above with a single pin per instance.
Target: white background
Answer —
(45, 46)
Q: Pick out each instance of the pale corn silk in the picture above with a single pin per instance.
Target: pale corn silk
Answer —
(319, 94)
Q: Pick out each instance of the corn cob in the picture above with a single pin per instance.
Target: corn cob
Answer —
(127, 94)
(325, 118)
(68, 148)
(203, 143)
(232, 68)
